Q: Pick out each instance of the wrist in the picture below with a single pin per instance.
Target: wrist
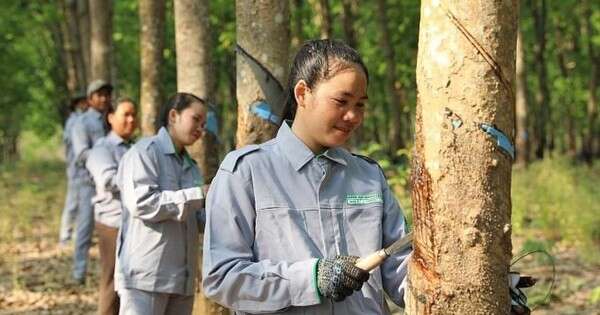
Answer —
(316, 279)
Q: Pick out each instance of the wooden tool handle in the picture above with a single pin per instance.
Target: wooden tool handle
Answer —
(372, 261)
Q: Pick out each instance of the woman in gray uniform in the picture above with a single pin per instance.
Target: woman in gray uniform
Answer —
(286, 220)
(161, 191)
(103, 163)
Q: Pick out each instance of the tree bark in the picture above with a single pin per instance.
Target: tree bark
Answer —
(460, 177)
(83, 23)
(195, 71)
(348, 18)
(522, 139)
(152, 42)
(67, 54)
(539, 11)
(395, 96)
(101, 13)
(263, 31)
(76, 80)
(195, 76)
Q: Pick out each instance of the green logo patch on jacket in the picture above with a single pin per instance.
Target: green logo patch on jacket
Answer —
(363, 199)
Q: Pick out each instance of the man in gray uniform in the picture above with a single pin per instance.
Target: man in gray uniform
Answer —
(69, 213)
(86, 131)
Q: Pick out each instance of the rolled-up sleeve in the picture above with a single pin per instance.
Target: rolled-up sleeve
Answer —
(231, 274)
(103, 167)
(139, 183)
(395, 268)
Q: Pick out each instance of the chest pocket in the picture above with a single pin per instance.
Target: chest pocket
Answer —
(362, 226)
(170, 174)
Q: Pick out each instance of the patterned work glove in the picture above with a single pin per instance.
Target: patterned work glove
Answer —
(338, 277)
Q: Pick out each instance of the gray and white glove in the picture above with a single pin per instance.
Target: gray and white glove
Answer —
(337, 277)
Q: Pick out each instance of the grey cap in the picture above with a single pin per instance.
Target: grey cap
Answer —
(97, 85)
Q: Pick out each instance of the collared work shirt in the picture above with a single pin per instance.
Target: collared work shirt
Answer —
(69, 155)
(273, 209)
(158, 240)
(87, 129)
(103, 163)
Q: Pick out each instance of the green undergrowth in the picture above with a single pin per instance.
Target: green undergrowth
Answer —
(557, 202)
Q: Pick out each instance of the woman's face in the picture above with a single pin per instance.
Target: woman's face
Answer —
(187, 126)
(334, 108)
(122, 120)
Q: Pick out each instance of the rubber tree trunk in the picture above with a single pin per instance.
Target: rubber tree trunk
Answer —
(195, 76)
(76, 80)
(263, 31)
(101, 13)
(348, 18)
(152, 42)
(522, 139)
(461, 179)
(67, 53)
(395, 96)
(195, 71)
(83, 23)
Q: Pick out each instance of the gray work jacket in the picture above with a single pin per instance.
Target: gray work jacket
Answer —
(69, 155)
(103, 163)
(158, 242)
(273, 209)
(87, 129)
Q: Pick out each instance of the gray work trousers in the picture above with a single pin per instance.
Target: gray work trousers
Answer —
(84, 228)
(139, 302)
(69, 212)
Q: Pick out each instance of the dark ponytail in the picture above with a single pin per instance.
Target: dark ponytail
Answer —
(319, 60)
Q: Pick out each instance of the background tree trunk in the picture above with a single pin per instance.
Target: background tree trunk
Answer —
(263, 31)
(195, 75)
(101, 13)
(77, 79)
(85, 34)
(195, 71)
(67, 54)
(395, 96)
(522, 138)
(348, 18)
(152, 42)
(539, 11)
(461, 179)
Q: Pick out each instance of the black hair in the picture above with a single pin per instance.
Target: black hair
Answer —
(75, 101)
(178, 102)
(313, 64)
(112, 108)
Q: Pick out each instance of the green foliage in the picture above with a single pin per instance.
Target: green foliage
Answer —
(560, 200)
(31, 90)
(595, 296)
